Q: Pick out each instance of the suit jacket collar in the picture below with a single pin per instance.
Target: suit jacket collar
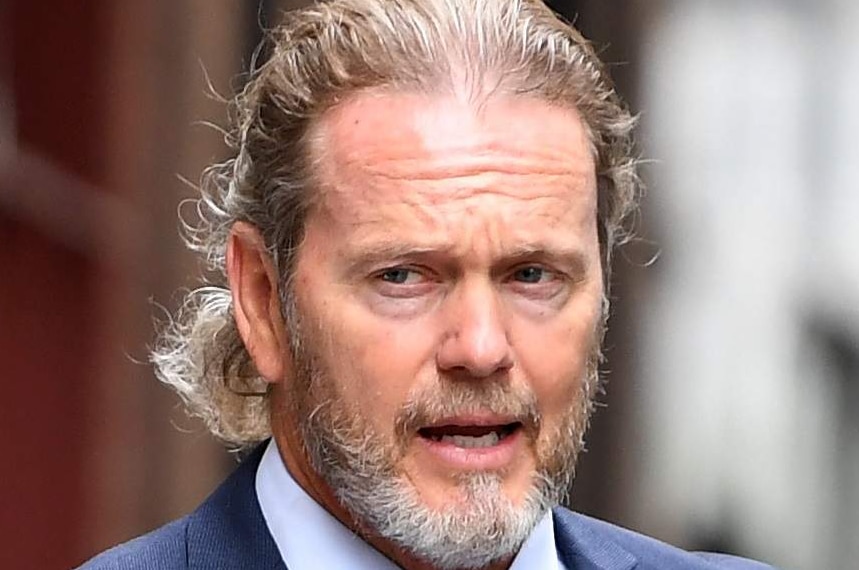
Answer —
(228, 531)
(581, 548)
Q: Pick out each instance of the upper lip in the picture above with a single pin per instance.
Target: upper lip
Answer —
(479, 420)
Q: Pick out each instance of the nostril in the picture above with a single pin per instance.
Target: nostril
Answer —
(476, 360)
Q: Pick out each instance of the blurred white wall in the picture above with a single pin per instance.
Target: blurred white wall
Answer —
(749, 340)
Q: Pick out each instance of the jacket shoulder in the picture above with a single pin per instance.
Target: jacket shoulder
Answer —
(162, 549)
(650, 553)
(226, 532)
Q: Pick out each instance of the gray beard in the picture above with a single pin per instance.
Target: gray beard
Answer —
(361, 467)
(491, 528)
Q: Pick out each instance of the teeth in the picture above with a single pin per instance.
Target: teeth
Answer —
(467, 441)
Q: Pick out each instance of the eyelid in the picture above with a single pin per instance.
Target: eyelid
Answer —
(411, 270)
(424, 273)
(572, 268)
(550, 270)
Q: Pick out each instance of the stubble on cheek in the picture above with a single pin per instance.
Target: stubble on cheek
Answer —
(559, 450)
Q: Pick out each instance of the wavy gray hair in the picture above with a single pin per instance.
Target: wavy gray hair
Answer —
(320, 56)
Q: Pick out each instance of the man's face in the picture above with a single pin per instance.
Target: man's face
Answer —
(448, 300)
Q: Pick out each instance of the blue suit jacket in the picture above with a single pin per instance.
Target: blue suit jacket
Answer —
(228, 532)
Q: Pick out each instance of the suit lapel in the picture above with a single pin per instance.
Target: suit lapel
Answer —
(580, 548)
(228, 531)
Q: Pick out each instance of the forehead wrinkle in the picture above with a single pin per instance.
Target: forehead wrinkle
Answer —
(465, 184)
(355, 197)
(457, 161)
(428, 211)
(462, 174)
(416, 160)
(429, 229)
(469, 176)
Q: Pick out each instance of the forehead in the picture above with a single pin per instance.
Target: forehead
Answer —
(425, 162)
(452, 132)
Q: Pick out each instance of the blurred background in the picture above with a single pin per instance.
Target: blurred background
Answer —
(732, 416)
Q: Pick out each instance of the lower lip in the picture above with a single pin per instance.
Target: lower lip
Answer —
(498, 456)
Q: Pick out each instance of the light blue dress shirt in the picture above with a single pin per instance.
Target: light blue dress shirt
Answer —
(309, 537)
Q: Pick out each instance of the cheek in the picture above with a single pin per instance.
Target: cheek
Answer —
(375, 364)
(554, 357)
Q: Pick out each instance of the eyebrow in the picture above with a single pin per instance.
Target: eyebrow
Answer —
(393, 251)
(574, 257)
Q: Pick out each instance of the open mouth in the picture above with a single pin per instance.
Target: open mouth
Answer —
(470, 436)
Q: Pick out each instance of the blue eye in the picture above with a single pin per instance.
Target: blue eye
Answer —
(398, 276)
(530, 274)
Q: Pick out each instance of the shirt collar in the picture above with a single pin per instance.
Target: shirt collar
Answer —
(309, 537)
(539, 550)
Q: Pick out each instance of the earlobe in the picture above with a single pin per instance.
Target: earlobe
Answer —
(256, 306)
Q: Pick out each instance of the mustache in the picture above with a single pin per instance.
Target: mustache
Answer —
(447, 398)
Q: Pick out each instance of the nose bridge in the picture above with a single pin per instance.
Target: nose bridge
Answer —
(476, 337)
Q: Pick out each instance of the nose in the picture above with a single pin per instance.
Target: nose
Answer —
(476, 341)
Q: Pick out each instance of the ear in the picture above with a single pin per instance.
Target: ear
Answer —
(256, 304)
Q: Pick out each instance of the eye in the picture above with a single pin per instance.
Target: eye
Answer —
(537, 283)
(403, 282)
(399, 276)
(532, 274)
